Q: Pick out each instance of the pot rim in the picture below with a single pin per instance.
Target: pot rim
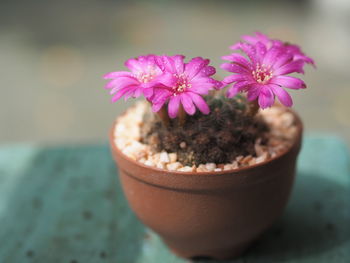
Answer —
(231, 172)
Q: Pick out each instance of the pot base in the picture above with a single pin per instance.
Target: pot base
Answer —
(219, 254)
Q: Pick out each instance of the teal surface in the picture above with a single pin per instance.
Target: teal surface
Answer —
(64, 204)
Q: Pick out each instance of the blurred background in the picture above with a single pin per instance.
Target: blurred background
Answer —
(53, 55)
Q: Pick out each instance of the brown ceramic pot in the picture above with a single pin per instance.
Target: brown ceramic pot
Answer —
(215, 215)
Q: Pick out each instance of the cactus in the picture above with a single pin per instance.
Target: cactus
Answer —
(219, 137)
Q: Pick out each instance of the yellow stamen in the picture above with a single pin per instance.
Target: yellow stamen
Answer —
(262, 74)
(181, 84)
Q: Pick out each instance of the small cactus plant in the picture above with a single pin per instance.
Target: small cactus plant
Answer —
(195, 119)
(219, 137)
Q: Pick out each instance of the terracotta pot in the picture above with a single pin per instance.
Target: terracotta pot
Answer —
(215, 215)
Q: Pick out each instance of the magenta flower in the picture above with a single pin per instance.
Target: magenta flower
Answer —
(140, 81)
(294, 50)
(183, 84)
(263, 74)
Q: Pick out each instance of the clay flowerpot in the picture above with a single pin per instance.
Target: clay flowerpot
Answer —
(212, 214)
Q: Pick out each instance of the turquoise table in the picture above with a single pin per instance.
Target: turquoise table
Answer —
(64, 204)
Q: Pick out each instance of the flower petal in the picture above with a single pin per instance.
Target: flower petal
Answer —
(235, 77)
(137, 93)
(148, 92)
(167, 79)
(250, 51)
(202, 89)
(195, 65)
(298, 54)
(156, 107)
(166, 63)
(282, 59)
(250, 39)
(173, 106)
(208, 71)
(116, 74)
(218, 84)
(260, 52)
(271, 56)
(282, 95)
(203, 85)
(160, 97)
(253, 92)
(266, 98)
(288, 82)
(259, 37)
(121, 93)
(199, 102)
(120, 82)
(295, 66)
(179, 63)
(134, 65)
(243, 84)
(236, 46)
(232, 91)
(234, 68)
(160, 94)
(305, 58)
(113, 84)
(238, 59)
(131, 92)
(187, 103)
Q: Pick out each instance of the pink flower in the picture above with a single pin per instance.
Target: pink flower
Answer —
(294, 50)
(143, 76)
(263, 74)
(183, 84)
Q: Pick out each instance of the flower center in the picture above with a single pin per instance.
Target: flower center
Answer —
(147, 75)
(182, 84)
(262, 74)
